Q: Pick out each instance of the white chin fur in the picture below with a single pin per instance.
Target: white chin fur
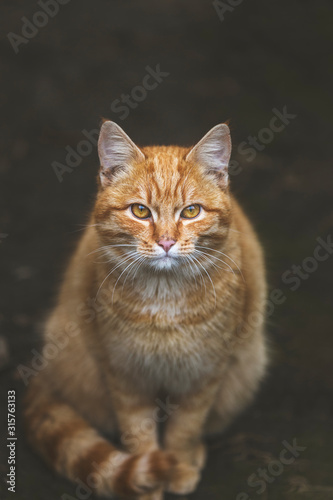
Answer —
(163, 263)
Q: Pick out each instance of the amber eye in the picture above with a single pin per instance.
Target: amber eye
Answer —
(140, 211)
(191, 211)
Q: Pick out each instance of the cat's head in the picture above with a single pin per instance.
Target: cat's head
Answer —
(163, 204)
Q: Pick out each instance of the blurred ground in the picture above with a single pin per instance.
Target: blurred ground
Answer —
(264, 55)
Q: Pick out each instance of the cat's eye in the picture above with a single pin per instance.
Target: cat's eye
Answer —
(140, 211)
(191, 211)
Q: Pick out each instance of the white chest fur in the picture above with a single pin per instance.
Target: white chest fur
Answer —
(162, 361)
(162, 352)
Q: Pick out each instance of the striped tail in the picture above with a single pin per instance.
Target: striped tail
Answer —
(75, 449)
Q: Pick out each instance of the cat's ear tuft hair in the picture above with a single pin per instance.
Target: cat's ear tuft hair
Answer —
(213, 152)
(116, 151)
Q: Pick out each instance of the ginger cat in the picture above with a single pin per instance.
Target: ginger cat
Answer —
(160, 318)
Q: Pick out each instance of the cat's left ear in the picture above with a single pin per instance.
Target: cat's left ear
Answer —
(116, 151)
(213, 152)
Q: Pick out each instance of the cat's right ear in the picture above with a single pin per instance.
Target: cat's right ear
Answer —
(116, 151)
(213, 152)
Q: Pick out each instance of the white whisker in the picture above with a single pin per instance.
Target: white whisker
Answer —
(191, 257)
(189, 263)
(113, 269)
(129, 265)
(210, 279)
(229, 270)
(131, 270)
(225, 255)
(138, 267)
(216, 266)
(85, 226)
(106, 247)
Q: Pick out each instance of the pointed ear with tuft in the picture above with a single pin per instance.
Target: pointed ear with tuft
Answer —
(213, 152)
(116, 151)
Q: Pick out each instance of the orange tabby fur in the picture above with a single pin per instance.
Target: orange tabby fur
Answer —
(187, 327)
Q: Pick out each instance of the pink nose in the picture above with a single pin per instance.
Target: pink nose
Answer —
(166, 243)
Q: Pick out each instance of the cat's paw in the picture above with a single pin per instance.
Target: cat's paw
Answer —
(155, 495)
(185, 479)
(194, 455)
(198, 455)
(145, 475)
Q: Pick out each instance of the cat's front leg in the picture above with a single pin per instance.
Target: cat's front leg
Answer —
(137, 424)
(183, 436)
(135, 415)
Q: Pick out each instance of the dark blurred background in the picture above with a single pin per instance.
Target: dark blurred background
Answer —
(237, 65)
